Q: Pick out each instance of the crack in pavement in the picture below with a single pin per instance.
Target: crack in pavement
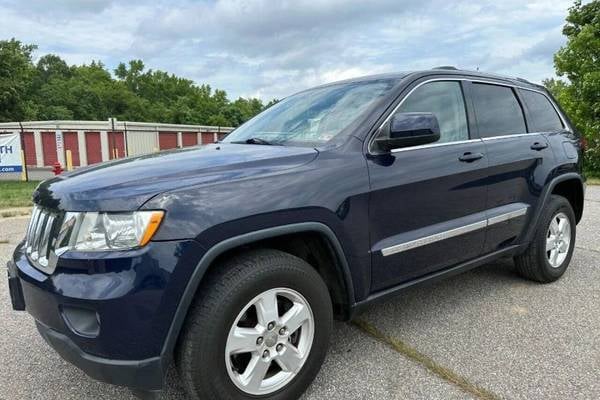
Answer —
(587, 249)
(430, 364)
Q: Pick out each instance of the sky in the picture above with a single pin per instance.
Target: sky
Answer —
(271, 49)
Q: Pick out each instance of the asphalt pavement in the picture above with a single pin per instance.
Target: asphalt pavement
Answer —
(485, 334)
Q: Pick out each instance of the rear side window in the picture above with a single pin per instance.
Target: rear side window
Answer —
(497, 110)
(445, 100)
(542, 115)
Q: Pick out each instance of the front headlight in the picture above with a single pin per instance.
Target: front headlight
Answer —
(93, 231)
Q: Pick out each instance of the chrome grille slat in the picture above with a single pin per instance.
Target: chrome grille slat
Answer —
(37, 233)
(39, 239)
(44, 243)
(32, 227)
(28, 234)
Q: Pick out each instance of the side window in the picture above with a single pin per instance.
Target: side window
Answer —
(497, 110)
(542, 115)
(444, 99)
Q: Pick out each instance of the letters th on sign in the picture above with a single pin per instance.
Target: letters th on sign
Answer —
(10, 153)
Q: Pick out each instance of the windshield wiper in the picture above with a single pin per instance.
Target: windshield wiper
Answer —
(257, 140)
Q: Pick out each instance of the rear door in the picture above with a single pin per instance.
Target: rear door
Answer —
(518, 161)
(427, 203)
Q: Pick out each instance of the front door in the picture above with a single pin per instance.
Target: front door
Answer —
(427, 203)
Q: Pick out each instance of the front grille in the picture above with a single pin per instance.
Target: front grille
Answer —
(41, 238)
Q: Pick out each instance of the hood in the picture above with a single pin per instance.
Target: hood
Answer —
(126, 184)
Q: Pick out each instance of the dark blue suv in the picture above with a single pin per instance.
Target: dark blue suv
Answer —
(231, 260)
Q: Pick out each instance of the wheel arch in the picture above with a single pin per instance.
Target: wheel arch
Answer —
(563, 185)
(342, 269)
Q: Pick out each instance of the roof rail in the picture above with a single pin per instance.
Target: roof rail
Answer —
(450, 67)
(523, 80)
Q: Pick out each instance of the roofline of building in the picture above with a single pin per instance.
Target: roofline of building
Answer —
(107, 125)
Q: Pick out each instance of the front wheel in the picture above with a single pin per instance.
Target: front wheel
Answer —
(259, 329)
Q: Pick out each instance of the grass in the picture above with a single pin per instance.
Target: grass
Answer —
(593, 180)
(16, 193)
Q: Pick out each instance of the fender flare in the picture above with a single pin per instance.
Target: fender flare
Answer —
(236, 241)
(545, 197)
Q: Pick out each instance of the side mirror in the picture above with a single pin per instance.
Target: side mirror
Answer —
(409, 129)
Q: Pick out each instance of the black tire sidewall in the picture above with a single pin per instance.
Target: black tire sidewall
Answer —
(298, 277)
(557, 205)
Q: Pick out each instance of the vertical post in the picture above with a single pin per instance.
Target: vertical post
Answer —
(69, 160)
(105, 151)
(82, 146)
(111, 138)
(39, 151)
(125, 139)
(60, 146)
(179, 140)
(24, 173)
(156, 140)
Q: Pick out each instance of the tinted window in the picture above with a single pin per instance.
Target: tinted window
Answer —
(445, 101)
(542, 115)
(498, 110)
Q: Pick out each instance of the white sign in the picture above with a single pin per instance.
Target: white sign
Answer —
(10, 153)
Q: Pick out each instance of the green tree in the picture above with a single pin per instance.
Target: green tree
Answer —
(51, 89)
(579, 62)
(16, 73)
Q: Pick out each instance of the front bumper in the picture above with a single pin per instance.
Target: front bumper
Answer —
(131, 296)
(143, 375)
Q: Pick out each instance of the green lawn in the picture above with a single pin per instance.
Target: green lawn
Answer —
(16, 193)
(593, 181)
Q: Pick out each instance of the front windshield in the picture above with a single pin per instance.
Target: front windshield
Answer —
(312, 117)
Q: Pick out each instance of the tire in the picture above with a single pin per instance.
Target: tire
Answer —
(536, 263)
(205, 369)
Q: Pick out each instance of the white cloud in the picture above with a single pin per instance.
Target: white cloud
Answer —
(273, 48)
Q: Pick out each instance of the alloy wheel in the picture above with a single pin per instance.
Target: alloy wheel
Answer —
(558, 240)
(269, 341)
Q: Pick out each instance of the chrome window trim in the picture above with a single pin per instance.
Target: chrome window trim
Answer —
(423, 241)
(426, 146)
(458, 79)
(516, 135)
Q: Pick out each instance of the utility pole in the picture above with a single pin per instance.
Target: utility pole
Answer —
(23, 154)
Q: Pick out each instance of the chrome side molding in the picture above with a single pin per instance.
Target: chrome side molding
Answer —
(423, 241)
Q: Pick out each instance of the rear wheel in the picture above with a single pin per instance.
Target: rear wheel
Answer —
(259, 329)
(548, 256)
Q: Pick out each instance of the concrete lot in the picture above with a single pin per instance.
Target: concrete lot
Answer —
(485, 334)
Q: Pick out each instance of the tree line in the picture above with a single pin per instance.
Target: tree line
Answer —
(578, 67)
(51, 89)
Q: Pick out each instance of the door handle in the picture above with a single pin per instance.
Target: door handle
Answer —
(470, 157)
(539, 146)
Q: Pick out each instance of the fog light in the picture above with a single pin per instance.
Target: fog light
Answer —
(81, 321)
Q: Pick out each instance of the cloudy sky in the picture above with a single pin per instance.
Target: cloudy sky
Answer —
(271, 48)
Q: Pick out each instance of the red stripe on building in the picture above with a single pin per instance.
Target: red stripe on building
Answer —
(93, 148)
(29, 144)
(116, 145)
(208, 137)
(189, 139)
(71, 142)
(49, 148)
(167, 140)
